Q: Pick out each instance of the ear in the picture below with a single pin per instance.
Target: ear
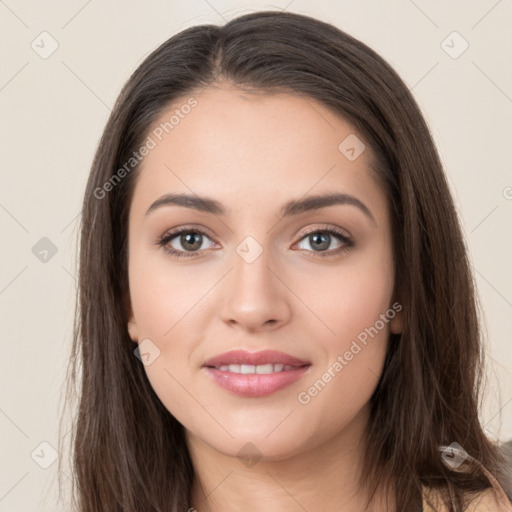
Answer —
(131, 324)
(396, 323)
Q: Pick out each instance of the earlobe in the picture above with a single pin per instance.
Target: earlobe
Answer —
(131, 324)
(132, 329)
(396, 323)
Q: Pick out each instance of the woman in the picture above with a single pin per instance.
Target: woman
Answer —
(276, 310)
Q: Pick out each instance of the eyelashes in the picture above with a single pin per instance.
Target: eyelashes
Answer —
(166, 239)
(197, 234)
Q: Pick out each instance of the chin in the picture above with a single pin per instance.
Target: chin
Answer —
(259, 444)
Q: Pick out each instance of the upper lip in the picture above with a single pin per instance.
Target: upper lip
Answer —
(254, 358)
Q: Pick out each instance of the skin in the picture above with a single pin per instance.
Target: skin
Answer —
(253, 153)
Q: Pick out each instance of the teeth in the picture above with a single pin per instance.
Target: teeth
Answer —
(247, 368)
(250, 368)
(265, 368)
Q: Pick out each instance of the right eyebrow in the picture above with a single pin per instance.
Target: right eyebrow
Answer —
(203, 204)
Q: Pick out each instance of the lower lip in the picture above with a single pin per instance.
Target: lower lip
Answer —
(256, 384)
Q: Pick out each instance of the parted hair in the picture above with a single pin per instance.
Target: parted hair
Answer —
(128, 452)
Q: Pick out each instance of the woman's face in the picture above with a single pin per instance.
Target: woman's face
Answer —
(252, 279)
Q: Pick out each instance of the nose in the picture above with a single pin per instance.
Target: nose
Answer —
(255, 297)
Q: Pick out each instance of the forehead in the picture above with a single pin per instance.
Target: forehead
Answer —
(252, 148)
(259, 126)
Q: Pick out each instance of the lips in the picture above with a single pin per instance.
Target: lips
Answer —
(255, 374)
(243, 357)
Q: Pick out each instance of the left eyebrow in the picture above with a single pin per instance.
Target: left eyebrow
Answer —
(322, 201)
(293, 207)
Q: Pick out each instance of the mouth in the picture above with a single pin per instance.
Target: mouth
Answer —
(260, 369)
(255, 374)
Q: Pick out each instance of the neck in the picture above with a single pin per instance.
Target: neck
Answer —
(324, 477)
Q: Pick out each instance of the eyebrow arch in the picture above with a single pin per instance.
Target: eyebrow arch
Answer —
(294, 207)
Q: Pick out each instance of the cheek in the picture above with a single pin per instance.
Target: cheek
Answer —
(165, 303)
(355, 310)
(349, 298)
(168, 302)
(163, 295)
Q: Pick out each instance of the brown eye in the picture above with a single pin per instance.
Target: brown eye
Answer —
(184, 242)
(191, 241)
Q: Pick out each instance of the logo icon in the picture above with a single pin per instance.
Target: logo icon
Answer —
(454, 45)
(249, 249)
(147, 352)
(249, 454)
(44, 250)
(44, 45)
(454, 455)
(44, 455)
(351, 147)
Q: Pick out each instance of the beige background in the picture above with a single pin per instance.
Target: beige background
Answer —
(53, 111)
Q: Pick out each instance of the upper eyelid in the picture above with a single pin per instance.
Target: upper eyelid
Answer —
(327, 228)
(173, 233)
(206, 231)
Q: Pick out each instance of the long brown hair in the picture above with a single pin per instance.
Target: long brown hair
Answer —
(129, 452)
